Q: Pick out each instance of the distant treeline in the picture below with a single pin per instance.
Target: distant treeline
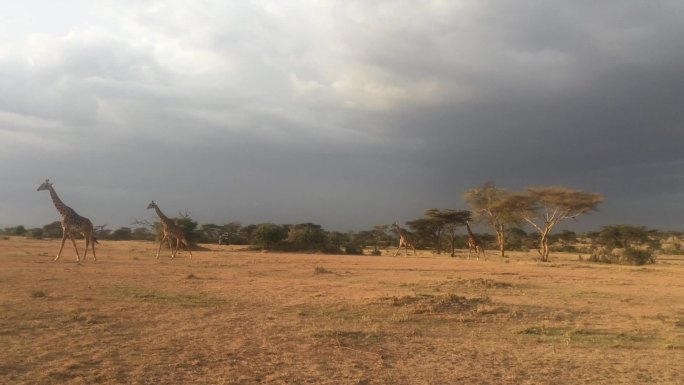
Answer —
(312, 237)
(506, 213)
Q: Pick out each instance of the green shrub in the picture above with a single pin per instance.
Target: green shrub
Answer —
(629, 256)
(36, 233)
(639, 257)
(353, 249)
(268, 235)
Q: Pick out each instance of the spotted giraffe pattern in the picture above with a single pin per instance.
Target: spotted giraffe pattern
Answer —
(71, 223)
(404, 240)
(474, 244)
(171, 230)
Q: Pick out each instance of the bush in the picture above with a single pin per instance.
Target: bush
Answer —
(629, 256)
(564, 248)
(36, 233)
(122, 233)
(52, 230)
(353, 249)
(639, 257)
(268, 235)
(308, 237)
(19, 231)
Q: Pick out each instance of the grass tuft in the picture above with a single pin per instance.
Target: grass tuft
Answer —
(38, 294)
(322, 270)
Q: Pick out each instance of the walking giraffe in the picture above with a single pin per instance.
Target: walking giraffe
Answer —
(71, 222)
(474, 243)
(170, 229)
(404, 240)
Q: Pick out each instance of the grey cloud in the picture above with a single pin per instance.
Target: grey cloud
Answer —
(347, 114)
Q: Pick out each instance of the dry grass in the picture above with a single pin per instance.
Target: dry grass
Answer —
(237, 317)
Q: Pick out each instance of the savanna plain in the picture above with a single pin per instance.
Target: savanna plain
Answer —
(235, 316)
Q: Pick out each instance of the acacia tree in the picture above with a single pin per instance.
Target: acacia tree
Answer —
(544, 207)
(451, 220)
(428, 230)
(496, 207)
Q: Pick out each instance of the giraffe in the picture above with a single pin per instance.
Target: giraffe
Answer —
(170, 230)
(474, 243)
(404, 240)
(71, 222)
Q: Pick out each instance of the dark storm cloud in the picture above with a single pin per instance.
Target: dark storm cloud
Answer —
(342, 113)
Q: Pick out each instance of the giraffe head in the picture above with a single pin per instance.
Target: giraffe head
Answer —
(45, 186)
(151, 205)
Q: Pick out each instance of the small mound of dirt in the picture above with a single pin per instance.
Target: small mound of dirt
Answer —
(427, 303)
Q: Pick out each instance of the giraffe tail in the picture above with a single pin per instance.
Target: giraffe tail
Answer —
(95, 240)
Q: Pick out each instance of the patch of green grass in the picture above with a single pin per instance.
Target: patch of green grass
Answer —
(147, 295)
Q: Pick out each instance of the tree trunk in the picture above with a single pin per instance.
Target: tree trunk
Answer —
(501, 240)
(544, 246)
(453, 245)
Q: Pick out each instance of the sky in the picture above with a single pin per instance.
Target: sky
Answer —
(346, 114)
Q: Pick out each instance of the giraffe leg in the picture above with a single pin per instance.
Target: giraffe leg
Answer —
(64, 236)
(173, 251)
(187, 246)
(171, 247)
(87, 242)
(78, 256)
(160, 245)
(398, 249)
(93, 241)
(178, 245)
(90, 240)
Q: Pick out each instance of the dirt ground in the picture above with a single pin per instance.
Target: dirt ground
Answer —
(231, 316)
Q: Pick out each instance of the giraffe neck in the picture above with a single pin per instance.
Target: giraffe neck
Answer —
(470, 233)
(59, 205)
(165, 220)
